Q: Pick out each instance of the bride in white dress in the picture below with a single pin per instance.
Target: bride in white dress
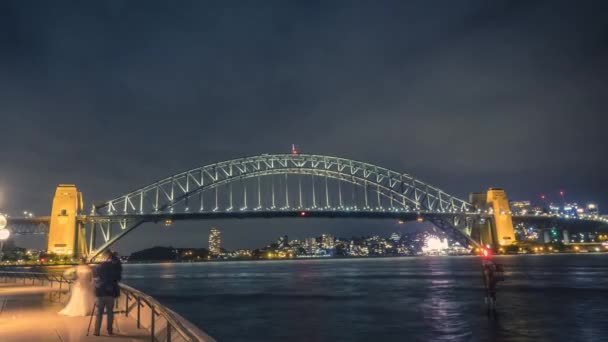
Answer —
(82, 298)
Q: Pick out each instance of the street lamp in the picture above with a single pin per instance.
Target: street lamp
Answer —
(3, 221)
(4, 234)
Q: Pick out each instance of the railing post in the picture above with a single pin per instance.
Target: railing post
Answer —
(152, 325)
(60, 284)
(138, 310)
(126, 304)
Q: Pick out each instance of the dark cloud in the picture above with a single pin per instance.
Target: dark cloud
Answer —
(465, 95)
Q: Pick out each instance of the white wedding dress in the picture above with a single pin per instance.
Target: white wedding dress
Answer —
(82, 298)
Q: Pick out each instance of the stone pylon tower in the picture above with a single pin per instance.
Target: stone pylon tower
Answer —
(66, 232)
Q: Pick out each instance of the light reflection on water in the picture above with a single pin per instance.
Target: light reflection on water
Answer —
(546, 298)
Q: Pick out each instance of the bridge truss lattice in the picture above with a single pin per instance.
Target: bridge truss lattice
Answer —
(277, 185)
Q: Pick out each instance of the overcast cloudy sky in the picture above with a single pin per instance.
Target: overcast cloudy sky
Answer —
(112, 95)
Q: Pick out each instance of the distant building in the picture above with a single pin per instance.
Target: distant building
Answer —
(521, 207)
(395, 237)
(327, 241)
(310, 245)
(592, 209)
(570, 209)
(215, 241)
(554, 209)
(242, 253)
(283, 242)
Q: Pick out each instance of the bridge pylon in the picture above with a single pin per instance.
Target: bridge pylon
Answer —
(495, 228)
(66, 232)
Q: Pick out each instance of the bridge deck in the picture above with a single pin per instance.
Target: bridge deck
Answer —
(27, 314)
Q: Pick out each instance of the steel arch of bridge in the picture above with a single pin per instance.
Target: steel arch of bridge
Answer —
(181, 195)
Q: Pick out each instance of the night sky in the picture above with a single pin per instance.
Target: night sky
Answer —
(113, 95)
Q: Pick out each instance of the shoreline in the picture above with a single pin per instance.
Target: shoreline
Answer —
(156, 262)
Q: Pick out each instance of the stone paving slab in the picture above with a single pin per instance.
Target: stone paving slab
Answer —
(28, 314)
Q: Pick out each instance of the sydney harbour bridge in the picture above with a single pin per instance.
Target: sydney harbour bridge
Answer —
(272, 186)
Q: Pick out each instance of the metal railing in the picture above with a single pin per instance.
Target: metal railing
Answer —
(54, 280)
(164, 324)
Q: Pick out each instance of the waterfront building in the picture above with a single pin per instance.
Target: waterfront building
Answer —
(215, 242)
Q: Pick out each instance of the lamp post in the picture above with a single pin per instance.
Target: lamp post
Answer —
(4, 234)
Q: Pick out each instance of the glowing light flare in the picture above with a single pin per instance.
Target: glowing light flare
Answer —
(4, 234)
(433, 243)
(302, 213)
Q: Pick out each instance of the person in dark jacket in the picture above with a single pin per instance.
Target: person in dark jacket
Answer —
(118, 265)
(107, 274)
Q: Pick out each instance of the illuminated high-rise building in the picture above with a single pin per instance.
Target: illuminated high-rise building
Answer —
(592, 209)
(521, 207)
(327, 241)
(395, 237)
(283, 242)
(215, 241)
(310, 245)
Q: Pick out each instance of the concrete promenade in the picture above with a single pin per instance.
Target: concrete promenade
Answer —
(28, 313)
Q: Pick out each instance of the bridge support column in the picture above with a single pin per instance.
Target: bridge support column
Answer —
(66, 234)
(502, 221)
(481, 230)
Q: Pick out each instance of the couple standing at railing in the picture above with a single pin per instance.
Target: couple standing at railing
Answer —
(95, 287)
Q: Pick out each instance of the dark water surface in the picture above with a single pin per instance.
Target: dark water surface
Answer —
(544, 298)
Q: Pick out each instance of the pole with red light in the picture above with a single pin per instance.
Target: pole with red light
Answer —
(294, 149)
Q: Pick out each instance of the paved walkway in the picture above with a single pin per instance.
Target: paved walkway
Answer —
(27, 314)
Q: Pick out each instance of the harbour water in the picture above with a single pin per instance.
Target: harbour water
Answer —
(544, 298)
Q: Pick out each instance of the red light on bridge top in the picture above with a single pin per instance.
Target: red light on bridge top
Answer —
(302, 213)
(542, 196)
(486, 252)
(294, 149)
